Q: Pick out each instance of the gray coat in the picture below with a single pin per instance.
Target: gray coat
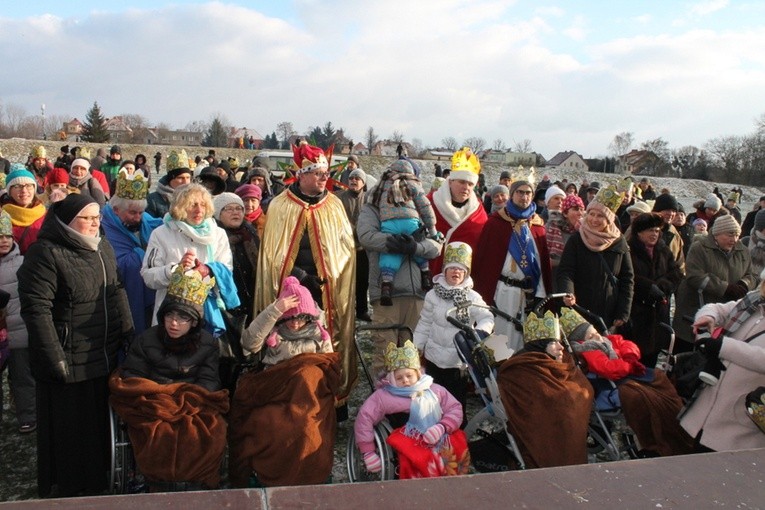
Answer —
(408, 281)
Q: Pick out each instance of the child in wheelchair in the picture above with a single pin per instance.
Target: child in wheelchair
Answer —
(646, 396)
(431, 443)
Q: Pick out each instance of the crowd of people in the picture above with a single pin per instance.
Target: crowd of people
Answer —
(154, 302)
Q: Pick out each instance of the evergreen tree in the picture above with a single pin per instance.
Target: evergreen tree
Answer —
(94, 127)
(216, 135)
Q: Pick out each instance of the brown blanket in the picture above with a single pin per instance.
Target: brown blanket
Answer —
(283, 422)
(177, 431)
(651, 412)
(548, 406)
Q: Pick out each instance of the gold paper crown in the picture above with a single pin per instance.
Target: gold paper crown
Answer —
(177, 160)
(570, 320)
(541, 328)
(756, 410)
(189, 285)
(458, 253)
(39, 152)
(609, 197)
(401, 357)
(2, 180)
(84, 152)
(464, 159)
(6, 226)
(132, 187)
(626, 185)
(521, 174)
(733, 196)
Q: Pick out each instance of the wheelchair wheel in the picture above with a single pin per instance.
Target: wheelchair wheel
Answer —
(491, 446)
(118, 474)
(357, 471)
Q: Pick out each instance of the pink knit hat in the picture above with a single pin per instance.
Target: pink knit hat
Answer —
(306, 307)
(249, 191)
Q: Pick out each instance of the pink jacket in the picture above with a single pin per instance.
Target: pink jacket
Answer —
(382, 402)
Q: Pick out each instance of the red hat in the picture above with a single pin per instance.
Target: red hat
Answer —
(57, 176)
(308, 158)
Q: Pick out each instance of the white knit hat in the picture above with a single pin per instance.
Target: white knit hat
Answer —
(224, 199)
(554, 191)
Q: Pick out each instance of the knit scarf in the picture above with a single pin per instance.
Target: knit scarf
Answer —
(521, 246)
(311, 332)
(78, 182)
(424, 411)
(202, 233)
(598, 241)
(743, 310)
(254, 215)
(25, 216)
(457, 295)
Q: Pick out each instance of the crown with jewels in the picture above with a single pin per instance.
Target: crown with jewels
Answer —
(39, 152)
(402, 357)
(177, 160)
(132, 187)
(465, 160)
(458, 253)
(522, 174)
(542, 327)
(609, 197)
(570, 319)
(189, 286)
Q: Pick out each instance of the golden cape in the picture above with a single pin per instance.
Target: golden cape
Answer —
(334, 254)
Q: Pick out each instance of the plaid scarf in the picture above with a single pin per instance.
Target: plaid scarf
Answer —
(459, 296)
(743, 310)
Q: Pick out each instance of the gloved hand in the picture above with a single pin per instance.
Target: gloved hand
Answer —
(656, 293)
(710, 346)
(433, 434)
(373, 462)
(401, 243)
(637, 368)
(313, 281)
(736, 290)
(202, 269)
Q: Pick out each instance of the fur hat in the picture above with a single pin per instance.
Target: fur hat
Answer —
(249, 191)
(554, 191)
(713, 202)
(725, 224)
(646, 221)
(6, 227)
(458, 254)
(20, 176)
(306, 307)
(571, 201)
(224, 199)
(665, 202)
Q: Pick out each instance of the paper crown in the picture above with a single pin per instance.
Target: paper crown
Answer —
(733, 196)
(189, 286)
(177, 160)
(570, 319)
(401, 357)
(39, 152)
(132, 187)
(83, 152)
(626, 185)
(541, 328)
(458, 253)
(2, 180)
(465, 160)
(308, 158)
(609, 197)
(522, 174)
(755, 406)
(6, 227)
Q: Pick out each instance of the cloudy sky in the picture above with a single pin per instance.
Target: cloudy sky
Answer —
(563, 75)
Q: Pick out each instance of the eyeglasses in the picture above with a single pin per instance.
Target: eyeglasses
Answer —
(178, 318)
(90, 219)
(523, 192)
(320, 175)
(24, 186)
(233, 208)
(653, 230)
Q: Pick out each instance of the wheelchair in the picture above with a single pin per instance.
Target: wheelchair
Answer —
(124, 477)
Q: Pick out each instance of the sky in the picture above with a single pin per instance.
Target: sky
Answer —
(565, 75)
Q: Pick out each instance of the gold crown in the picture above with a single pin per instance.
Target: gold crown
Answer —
(39, 152)
(733, 196)
(84, 152)
(177, 160)
(458, 253)
(2, 180)
(570, 319)
(521, 174)
(464, 159)
(402, 357)
(189, 285)
(6, 226)
(541, 328)
(756, 410)
(609, 197)
(132, 187)
(626, 185)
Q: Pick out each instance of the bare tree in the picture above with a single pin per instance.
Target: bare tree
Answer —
(397, 137)
(498, 145)
(727, 153)
(285, 130)
(476, 143)
(54, 124)
(620, 145)
(14, 118)
(449, 143)
(416, 147)
(522, 146)
(370, 138)
(197, 126)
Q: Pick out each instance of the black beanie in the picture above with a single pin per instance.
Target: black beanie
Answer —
(646, 221)
(225, 165)
(664, 202)
(66, 209)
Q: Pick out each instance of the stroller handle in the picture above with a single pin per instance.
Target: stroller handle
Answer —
(493, 309)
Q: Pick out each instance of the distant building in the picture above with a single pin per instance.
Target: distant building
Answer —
(509, 158)
(388, 148)
(73, 128)
(567, 160)
(249, 138)
(118, 130)
(640, 162)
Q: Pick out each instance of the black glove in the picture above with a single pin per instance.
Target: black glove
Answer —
(401, 243)
(710, 346)
(656, 293)
(736, 291)
(420, 233)
(313, 281)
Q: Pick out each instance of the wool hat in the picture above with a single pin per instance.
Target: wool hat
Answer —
(726, 223)
(646, 221)
(209, 174)
(20, 176)
(499, 188)
(701, 221)
(759, 220)
(401, 166)
(665, 203)
(571, 201)
(554, 191)
(57, 176)
(66, 209)
(81, 162)
(594, 186)
(361, 174)
(115, 150)
(458, 254)
(306, 307)
(225, 165)
(517, 184)
(249, 191)
(713, 202)
(639, 207)
(505, 175)
(355, 159)
(224, 199)
(6, 227)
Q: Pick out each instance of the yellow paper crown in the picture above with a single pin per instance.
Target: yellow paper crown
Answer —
(458, 253)
(626, 185)
(401, 357)
(522, 174)
(84, 152)
(465, 160)
(189, 285)
(132, 187)
(570, 319)
(39, 152)
(733, 196)
(541, 328)
(609, 197)
(177, 160)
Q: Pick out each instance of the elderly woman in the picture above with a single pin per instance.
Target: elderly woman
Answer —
(253, 212)
(718, 269)
(20, 202)
(189, 237)
(595, 267)
(560, 227)
(499, 195)
(81, 178)
(77, 316)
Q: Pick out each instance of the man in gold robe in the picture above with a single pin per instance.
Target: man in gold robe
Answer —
(308, 236)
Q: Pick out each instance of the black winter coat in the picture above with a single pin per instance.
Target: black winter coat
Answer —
(150, 359)
(74, 306)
